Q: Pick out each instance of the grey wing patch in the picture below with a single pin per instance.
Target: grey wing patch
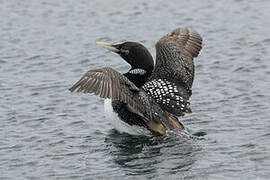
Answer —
(105, 82)
(108, 83)
(171, 98)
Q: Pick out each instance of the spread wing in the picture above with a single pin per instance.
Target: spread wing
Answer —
(108, 83)
(171, 81)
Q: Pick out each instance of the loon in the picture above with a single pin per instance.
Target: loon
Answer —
(148, 96)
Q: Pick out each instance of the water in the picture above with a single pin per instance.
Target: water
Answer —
(48, 133)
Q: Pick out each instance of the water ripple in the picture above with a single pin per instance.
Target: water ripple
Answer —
(48, 133)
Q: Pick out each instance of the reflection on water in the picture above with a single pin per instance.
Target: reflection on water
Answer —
(141, 155)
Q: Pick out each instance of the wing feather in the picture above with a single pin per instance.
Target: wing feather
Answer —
(108, 83)
(174, 67)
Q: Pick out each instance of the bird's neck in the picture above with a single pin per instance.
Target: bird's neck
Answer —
(138, 76)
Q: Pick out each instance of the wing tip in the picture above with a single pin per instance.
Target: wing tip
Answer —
(187, 38)
(78, 84)
(72, 89)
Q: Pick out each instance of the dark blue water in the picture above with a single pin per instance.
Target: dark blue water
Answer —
(48, 133)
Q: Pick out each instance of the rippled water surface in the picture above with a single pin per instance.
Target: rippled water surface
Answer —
(48, 133)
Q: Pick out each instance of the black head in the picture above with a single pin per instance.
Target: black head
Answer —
(133, 53)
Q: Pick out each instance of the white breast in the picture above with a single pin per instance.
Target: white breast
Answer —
(120, 125)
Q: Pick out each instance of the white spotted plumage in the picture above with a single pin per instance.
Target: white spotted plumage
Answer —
(166, 93)
(138, 71)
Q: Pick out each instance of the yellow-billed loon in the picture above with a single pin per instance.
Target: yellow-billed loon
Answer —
(148, 96)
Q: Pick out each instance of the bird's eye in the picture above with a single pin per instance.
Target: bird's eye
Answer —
(124, 51)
